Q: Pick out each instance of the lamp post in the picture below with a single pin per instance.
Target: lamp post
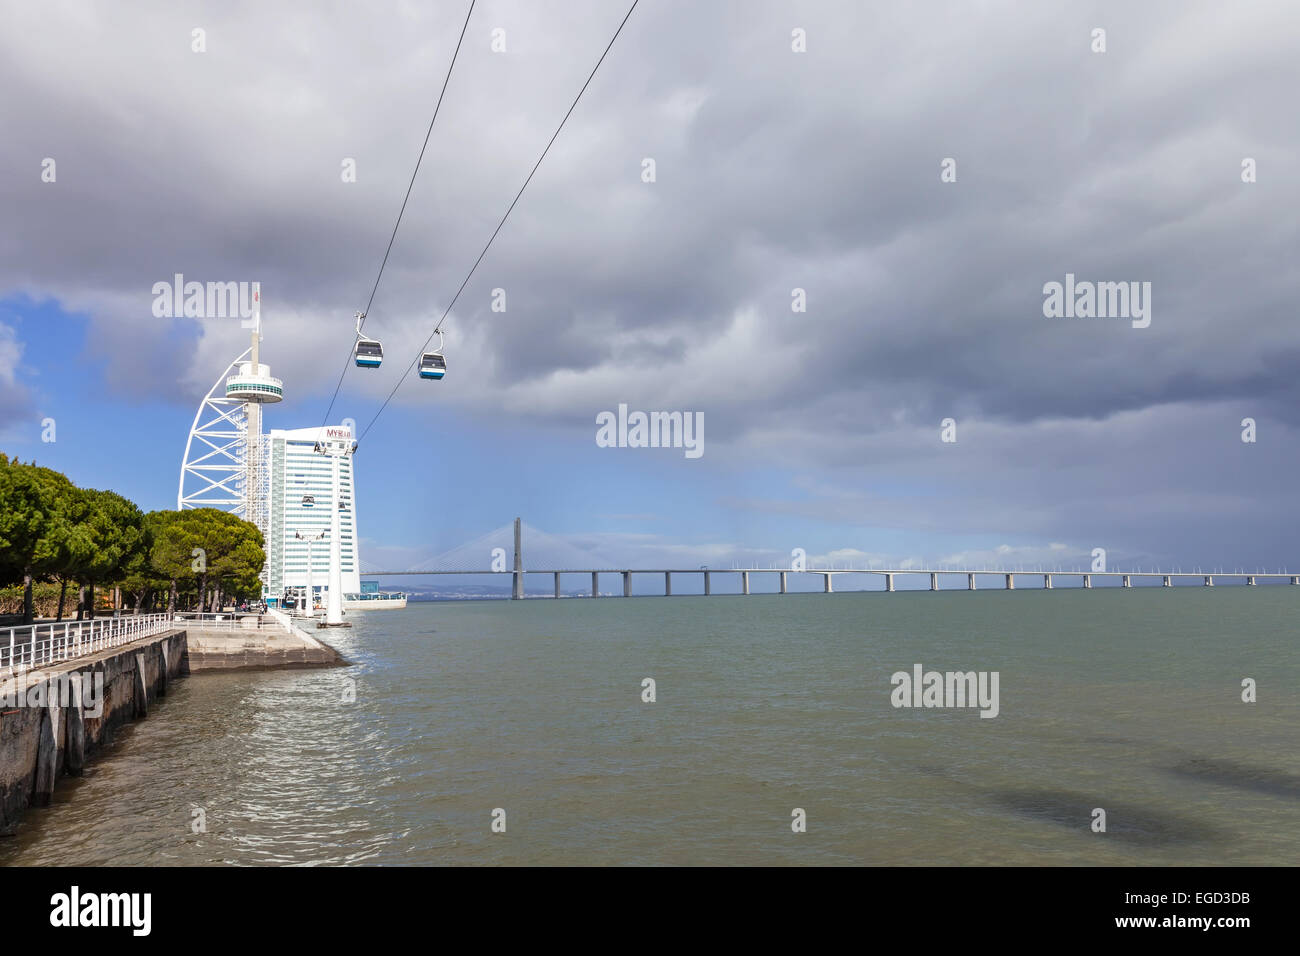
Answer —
(310, 539)
(335, 450)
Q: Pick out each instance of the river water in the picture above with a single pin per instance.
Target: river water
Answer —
(1124, 700)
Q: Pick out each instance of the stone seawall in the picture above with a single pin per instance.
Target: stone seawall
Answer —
(210, 649)
(53, 720)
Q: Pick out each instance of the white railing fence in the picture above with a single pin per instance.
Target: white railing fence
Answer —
(282, 619)
(234, 621)
(26, 648)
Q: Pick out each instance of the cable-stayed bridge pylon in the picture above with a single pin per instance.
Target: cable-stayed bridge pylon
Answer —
(502, 551)
(497, 551)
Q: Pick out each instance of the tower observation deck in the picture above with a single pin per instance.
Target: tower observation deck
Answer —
(225, 464)
(255, 384)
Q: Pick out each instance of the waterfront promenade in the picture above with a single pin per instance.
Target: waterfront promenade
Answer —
(66, 686)
(230, 641)
(58, 713)
(224, 642)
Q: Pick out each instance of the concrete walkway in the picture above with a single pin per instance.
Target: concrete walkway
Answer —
(254, 649)
(56, 718)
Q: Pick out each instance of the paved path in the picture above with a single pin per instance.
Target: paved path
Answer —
(223, 649)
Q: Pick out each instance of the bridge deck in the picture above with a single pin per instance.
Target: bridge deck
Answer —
(993, 571)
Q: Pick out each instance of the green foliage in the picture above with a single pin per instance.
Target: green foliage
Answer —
(139, 576)
(49, 528)
(205, 546)
(45, 597)
(239, 553)
(37, 510)
(169, 554)
(114, 527)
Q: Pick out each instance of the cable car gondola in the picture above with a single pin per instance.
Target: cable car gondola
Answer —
(368, 352)
(432, 364)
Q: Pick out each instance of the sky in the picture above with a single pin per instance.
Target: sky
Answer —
(776, 169)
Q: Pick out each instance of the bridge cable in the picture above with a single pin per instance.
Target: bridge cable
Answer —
(410, 186)
(438, 328)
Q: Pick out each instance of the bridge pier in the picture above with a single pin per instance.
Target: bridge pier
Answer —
(1087, 580)
(970, 582)
(1250, 580)
(517, 586)
(1011, 582)
(783, 574)
(627, 584)
(826, 584)
(934, 581)
(668, 584)
(1047, 582)
(557, 584)
(707, 588)
(889, 582)
(1295, 579)
(1168, 582)
(1209, 580)
(1127, 582)
(744, 582)
(595, 584)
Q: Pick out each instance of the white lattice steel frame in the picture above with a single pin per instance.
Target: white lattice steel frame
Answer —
(218, 455)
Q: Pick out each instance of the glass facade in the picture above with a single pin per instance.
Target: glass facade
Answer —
(301, 499)
(241, 388)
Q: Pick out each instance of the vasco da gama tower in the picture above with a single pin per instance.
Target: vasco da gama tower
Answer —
(275, 481)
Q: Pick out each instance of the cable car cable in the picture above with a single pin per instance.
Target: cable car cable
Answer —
(447, 79)
(438, 328)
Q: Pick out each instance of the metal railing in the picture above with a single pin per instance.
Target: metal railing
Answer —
(281, 618)
(233, 620)
(25, 648)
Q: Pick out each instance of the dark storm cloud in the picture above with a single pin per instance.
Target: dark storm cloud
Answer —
(775, 170)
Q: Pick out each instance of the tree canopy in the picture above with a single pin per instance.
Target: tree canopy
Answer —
(38, 509)
(51, 529)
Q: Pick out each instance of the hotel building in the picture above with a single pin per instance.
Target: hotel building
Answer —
(299, 501)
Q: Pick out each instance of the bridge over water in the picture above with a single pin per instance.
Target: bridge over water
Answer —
(487, 555)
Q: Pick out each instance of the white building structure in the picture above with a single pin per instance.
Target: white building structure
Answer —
(277, 481)
(224, 465)
(299, 501)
